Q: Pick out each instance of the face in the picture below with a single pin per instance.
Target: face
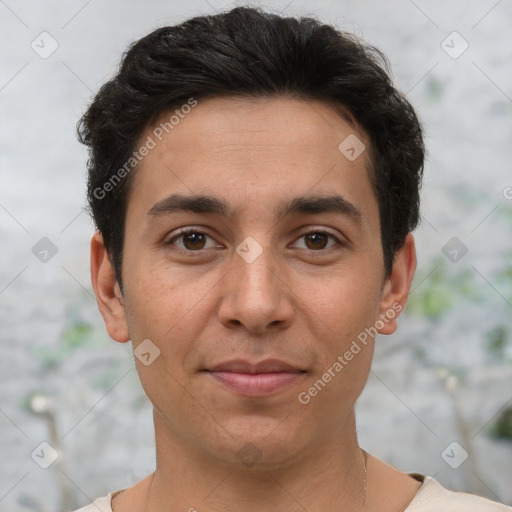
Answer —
(275, 280)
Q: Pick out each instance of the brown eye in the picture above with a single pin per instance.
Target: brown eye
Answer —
(318, 240)
(191, 240)
(194, 241)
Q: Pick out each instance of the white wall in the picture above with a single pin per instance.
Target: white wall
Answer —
(406, 415)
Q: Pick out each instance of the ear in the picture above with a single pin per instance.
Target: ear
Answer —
(397, 286)
(107, 291)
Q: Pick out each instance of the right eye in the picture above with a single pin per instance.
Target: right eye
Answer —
(192, 240)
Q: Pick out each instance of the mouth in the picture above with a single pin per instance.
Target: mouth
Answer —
(255, 379)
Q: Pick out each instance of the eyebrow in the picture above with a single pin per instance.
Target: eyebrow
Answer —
(204, 204)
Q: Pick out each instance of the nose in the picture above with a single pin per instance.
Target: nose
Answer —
(256, 294)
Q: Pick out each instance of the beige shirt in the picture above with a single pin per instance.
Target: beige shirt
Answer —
(431, 497)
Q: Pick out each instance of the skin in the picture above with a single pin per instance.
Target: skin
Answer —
(302, 301)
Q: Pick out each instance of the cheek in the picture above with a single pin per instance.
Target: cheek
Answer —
(342, 305)
(157, 312)
(169, 308)
(147, 308)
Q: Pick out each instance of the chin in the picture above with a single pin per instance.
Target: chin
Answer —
(260, 445)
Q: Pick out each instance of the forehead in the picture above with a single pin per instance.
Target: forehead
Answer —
(263, 149)
(264, 125)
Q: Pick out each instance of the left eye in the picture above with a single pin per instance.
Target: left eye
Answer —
(317, 240)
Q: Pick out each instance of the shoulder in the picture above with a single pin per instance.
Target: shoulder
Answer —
(103, 504)
(433, 497)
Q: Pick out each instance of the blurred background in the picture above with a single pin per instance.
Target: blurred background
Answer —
(74, 421)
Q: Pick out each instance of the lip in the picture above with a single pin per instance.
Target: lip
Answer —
(255, 379)
(265, 366)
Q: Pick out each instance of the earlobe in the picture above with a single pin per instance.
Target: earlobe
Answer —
(397, 286)
(107, 291)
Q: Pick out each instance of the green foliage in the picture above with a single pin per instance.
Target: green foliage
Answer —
(76, 335)
(497, 343)
(506, 274)
(502, 427)
(434, 89)
(437, 293)
(108, 379)
(448, 285)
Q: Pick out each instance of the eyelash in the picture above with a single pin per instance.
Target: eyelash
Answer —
(187, 231)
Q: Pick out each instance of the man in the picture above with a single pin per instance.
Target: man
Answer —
(254, 181)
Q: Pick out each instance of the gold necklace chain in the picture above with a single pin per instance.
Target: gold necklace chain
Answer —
(365, 480)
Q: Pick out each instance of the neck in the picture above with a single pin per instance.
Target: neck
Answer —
(330, 476)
